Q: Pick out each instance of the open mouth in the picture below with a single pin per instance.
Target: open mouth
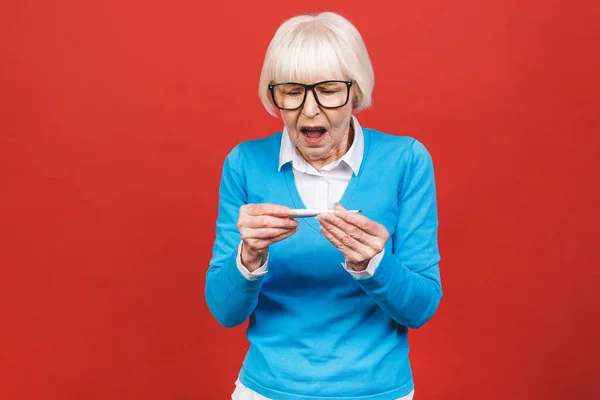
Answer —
(313, 132)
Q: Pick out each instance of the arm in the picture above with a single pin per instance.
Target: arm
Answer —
(240, 252)
(406, 282)
(230, 296)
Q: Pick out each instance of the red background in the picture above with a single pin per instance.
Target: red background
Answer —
(116, 116)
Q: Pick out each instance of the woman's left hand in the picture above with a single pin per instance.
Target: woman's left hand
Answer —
(356, 236)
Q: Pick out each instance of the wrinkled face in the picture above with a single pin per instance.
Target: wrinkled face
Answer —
(321, 135)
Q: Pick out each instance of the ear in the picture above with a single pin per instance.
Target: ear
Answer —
(356, 97)
(274, 111)
(355, 102)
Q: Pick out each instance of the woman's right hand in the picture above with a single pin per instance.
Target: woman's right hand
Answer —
(261, 225)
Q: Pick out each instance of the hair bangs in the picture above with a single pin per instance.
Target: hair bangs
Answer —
(314, 48)
(308, 59)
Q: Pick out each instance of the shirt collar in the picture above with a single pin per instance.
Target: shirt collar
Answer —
(353, 157)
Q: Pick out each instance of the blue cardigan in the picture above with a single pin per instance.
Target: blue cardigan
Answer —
(316, 332)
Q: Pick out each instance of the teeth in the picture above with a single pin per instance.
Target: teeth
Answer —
(313, 133)
(313, 130)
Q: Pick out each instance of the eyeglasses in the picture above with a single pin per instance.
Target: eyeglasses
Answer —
(328, 94)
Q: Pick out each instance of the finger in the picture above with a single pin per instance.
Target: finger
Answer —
(348, 253)
(263, 233)
(351, 230)
(365, 224)
(275, 210)
(284, 236)
(364, 243)
(263, 243)
(348, 241)
(268, 221)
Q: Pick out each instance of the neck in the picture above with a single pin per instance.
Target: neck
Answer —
(337, 152)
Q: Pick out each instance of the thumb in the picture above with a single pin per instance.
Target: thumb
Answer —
(338, 206)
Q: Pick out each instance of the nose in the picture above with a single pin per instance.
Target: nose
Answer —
(310, 107)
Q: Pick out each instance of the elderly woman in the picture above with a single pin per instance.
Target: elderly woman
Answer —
(329, 299)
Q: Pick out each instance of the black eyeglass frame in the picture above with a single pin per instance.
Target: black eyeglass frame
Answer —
(306, 89)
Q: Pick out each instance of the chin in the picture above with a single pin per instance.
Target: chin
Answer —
(315, 155)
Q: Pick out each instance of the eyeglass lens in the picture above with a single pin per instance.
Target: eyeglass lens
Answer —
(329, 94)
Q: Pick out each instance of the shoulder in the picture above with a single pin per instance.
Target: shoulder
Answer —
(267, 146)
(262, 144)
(406, 148)
(255, 154)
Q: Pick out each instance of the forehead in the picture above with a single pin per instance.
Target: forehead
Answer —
(310, 61)
(320, 83)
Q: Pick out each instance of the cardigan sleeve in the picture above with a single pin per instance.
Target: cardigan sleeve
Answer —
(230, 296)
(407, 284)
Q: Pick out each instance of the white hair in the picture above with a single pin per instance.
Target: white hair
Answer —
(317, 46)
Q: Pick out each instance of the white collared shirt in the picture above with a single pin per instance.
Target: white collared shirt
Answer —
(242, 392)
(320, 189)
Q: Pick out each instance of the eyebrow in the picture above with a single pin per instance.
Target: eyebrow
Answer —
(328, 84)
(293, 84)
